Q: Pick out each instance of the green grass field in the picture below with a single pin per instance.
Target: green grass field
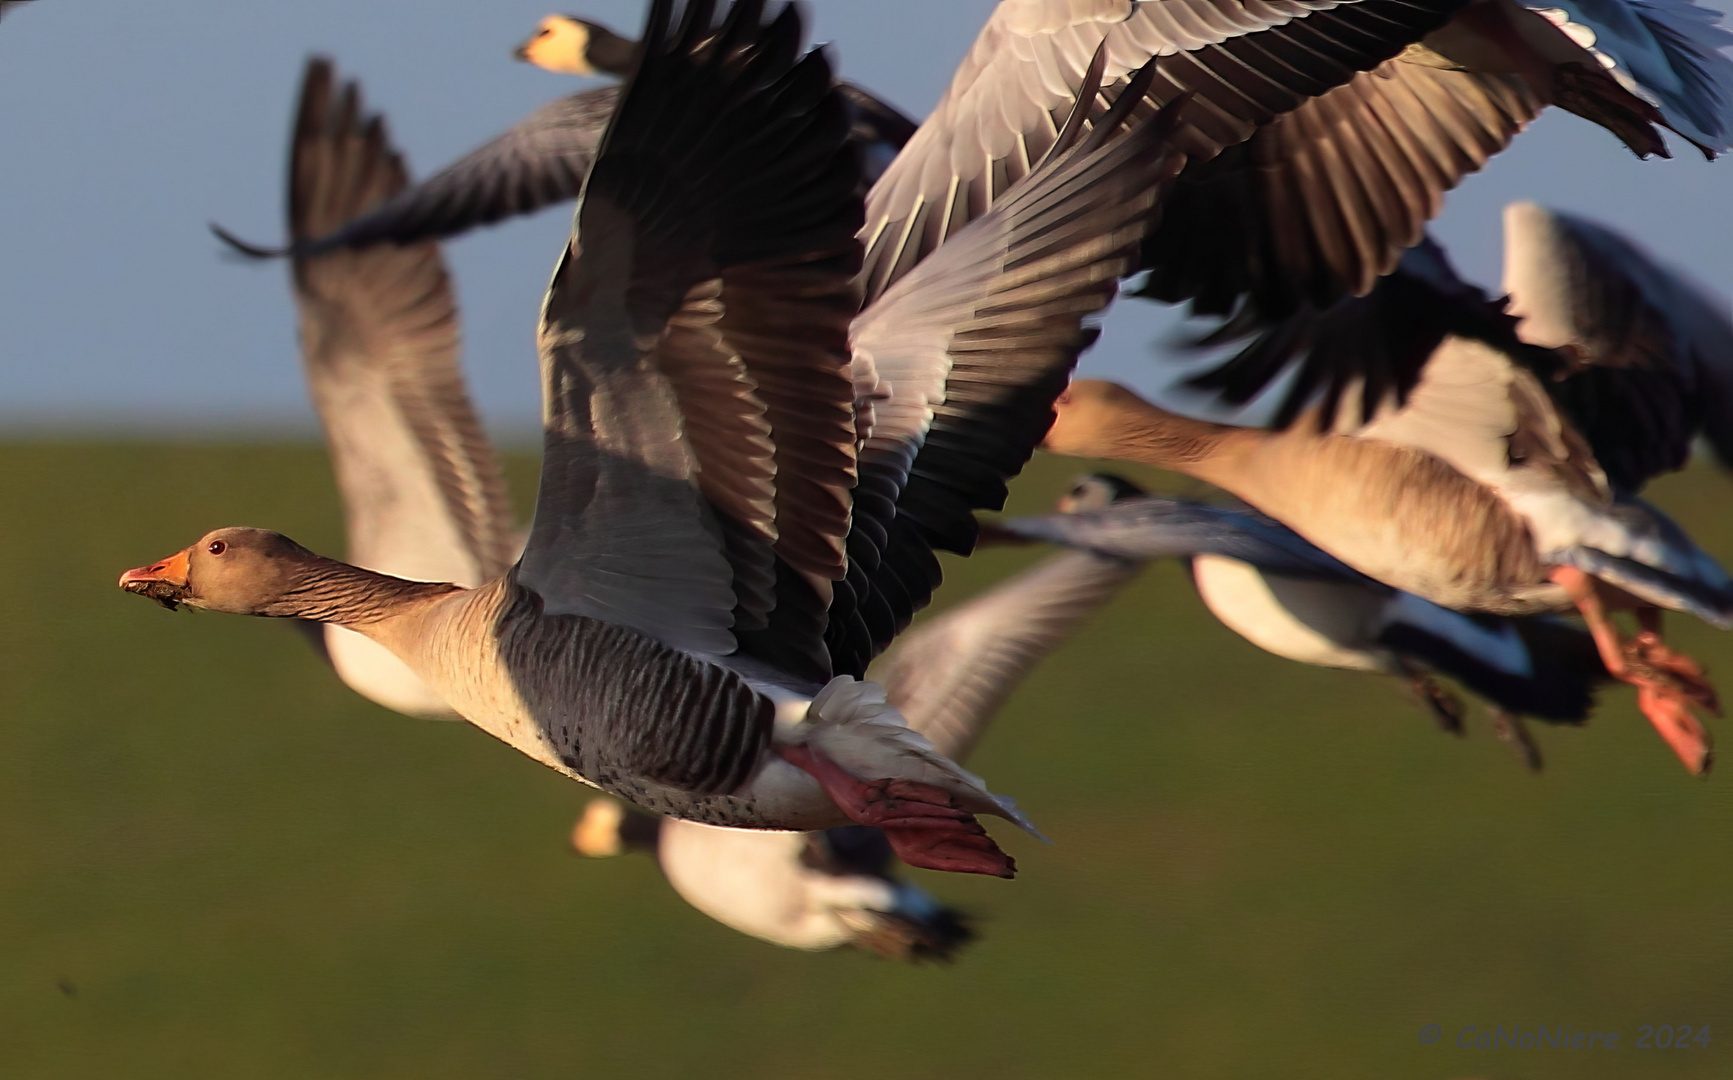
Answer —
(215, 861)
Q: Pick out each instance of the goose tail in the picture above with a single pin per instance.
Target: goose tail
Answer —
(851, 723)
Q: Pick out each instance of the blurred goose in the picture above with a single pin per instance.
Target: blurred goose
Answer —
(948, 676)
(543, 158)
(1306, 182)
(1478, 490)
(1646, 331)
(1285, 596)
(712, 561)
(1322, 202)
(1245, 62)
(423, 494)
(7, 5)
(574, 46)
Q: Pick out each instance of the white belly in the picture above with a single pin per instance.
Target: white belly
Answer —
(1314, 622)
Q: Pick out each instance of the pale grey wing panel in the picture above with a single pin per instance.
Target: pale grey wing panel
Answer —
(621, 532)
(1243, 61)
(951, 674)
(703, 299)
(963, 358)
(423, 493)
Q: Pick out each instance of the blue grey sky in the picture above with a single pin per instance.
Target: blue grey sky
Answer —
(125, 126)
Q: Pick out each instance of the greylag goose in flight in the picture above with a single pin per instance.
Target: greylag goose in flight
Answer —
(948, 676)
(1484, 489)
(712, 560)
(1284, 595)
(423, 494)
(543, 158)
(424, 498)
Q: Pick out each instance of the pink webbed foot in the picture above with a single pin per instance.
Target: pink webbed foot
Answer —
(1668, 683)
(924, 824)
(1671, 716)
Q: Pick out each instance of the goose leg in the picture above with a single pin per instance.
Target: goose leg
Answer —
(1513, 731)
(924, 824)
(1667, 683)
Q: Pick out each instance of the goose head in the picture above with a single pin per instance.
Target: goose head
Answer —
(1097, 491)
(606, 828)
(241, 571)
(574, 46)
(1091, 417)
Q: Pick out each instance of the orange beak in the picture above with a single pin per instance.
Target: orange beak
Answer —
(172, 571)
(165, 581)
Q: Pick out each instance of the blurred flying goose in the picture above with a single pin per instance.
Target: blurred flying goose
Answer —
(1287, 597)
(713, 561)
(1246, 62)
(1484, 490)
(1322, 202)
(948, 676)
(7, 5)
(1343, 124)
(543, 158)
(423, 494)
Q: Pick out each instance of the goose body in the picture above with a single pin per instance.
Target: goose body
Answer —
(948, 677)
(1475, 489)
(1289, 598)
(689, 621)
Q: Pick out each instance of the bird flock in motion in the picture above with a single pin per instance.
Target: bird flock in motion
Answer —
(796, 341)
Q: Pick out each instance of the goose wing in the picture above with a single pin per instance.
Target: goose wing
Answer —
(1156, 527)
(423, 494)
(1246, 62)
(951, 674)
(1667, 52)
(698, 408)
(1370, 347)
(539, 161)
(1652, 353)
(961, 360)
(1322, 201)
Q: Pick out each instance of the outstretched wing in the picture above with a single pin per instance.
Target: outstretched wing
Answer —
(1370, 347)
(1324, 200)
(1651, 354)
(698, 410)
(1668, 52)
(1245, 61)
(950, 675)
(962, 359)
(539, 161)
(423, 494)
(1156, 527)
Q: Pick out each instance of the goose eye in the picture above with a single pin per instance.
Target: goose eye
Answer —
(216, 547)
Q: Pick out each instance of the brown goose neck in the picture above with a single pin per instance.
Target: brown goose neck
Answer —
(327, 591)
(1154, 436)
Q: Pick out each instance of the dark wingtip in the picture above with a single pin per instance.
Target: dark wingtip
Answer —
(242, 247)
